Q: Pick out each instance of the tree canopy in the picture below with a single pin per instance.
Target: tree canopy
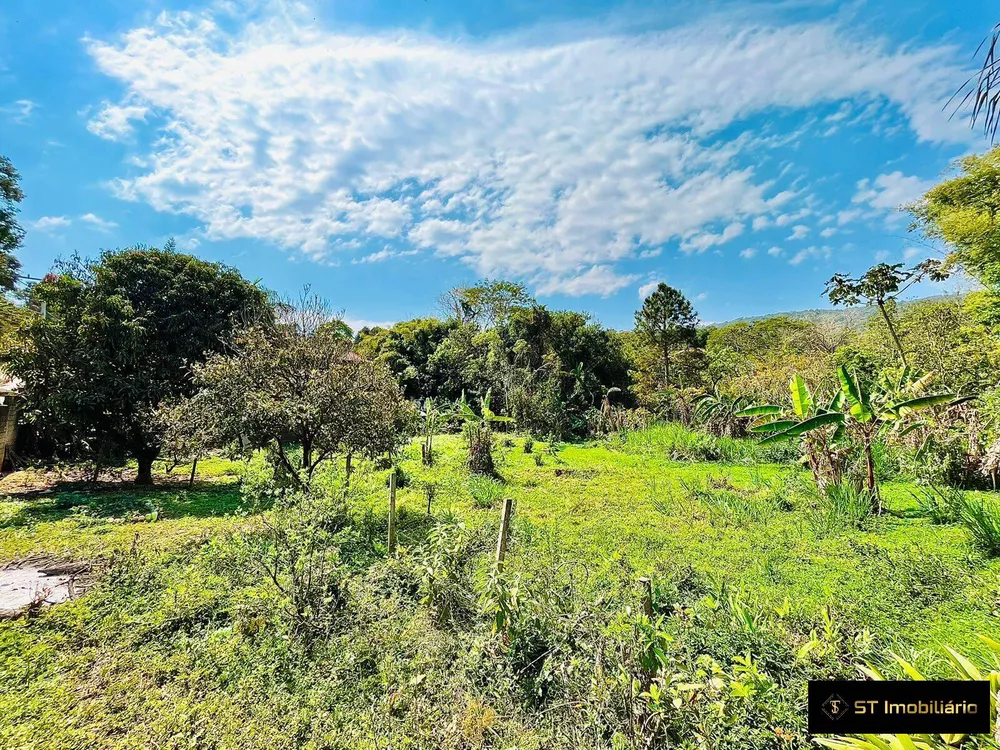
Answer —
(11, 232)
(668, 322)
(119, 337)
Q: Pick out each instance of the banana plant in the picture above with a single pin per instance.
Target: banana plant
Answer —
(487, 416)
(479, 434)
(887, 407)
(856, 411)
(720, 413)
(820, 428)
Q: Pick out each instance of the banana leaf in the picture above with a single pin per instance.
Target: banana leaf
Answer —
(801, 400)
(759, 411)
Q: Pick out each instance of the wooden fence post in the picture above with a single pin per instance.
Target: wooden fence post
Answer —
(391, 544)
(647, 596)
(508, 505)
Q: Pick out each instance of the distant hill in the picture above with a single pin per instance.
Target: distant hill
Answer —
(843, 317)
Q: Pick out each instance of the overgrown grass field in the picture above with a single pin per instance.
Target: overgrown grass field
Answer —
(181, 642)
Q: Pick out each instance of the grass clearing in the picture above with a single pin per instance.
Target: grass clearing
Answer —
(178, 643)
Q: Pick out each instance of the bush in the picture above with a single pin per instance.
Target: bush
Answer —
(529, 444)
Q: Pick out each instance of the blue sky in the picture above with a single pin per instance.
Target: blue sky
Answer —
(383, 152)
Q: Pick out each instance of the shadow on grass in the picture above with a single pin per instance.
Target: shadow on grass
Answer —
(118, 501)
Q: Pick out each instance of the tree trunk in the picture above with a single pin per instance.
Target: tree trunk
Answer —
(145, 459)
(194, 468)
(666, 365)
(892, 332)
(348, 470)
(870, 479)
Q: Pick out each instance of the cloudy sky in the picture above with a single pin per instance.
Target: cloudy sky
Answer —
(385, 151)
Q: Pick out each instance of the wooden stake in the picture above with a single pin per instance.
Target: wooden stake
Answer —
(391, 544)
(647, 596)
(508, 505)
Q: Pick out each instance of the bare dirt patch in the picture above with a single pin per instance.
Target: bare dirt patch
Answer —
(33, 583)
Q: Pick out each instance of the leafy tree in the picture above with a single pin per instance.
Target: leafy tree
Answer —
(294, 384)
(487, 304)
(941, 335)
(668, 322)
(407, 348)
(879, 285)
(11, 232)
(758, 358)
(119, 339)
(963, 212)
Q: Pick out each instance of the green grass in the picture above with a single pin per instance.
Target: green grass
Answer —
(180, 647)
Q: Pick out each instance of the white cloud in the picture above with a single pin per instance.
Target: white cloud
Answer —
(774, 250)
(20, 111)
(599, 280)
(761, 222)
(702, 242)
(785, 219)
(810, 252)
(98, 223)
(114, 121)
(889, 192)
(828, 232)
(798, 232)
(383, 254)
(356, 324)
(911, 253)
(552, 162)
(49, 223)
(848, 215)
(748, 253)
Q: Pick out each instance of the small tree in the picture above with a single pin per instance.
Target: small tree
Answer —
(432, 418)
(668, 322)
(487, 304)
(878, 285)
(287, 384)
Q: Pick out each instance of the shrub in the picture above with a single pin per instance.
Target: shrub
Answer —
(299, 553)
(444, 584)
(529, 444)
